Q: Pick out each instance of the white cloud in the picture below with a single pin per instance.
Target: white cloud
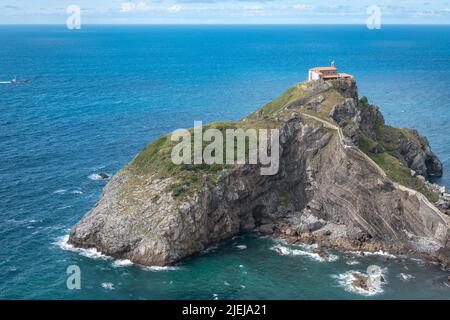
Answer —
(142, 5)
(253, 8)
(134, 6)
(302, 7)
(127, 7)
(229, 11)
(426, 13)
(175, 8)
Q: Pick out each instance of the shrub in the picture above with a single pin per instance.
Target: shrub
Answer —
(364, 101)
(177, 190)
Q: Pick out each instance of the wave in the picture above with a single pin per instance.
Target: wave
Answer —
(5, 82)
(375, 253)
(98, 167)
(283, 250)
(309, 247)
(122, 263)
(347, 279)
(352, 262)
(241, 247)
(285, 242)
(159, 268)
(64, 207)
(95, 177)
(108, 285)
(209, 249)
(405, 276)
(64, 191)
(63, 243)
(92, 253)
(417, 260)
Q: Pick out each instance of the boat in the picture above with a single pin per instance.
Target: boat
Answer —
(15, 81)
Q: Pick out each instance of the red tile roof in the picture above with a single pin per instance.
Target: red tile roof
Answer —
(319, 69)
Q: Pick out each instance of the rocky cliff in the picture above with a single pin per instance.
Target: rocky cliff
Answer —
(346, 179)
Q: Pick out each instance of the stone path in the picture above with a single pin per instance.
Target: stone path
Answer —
(422, 199)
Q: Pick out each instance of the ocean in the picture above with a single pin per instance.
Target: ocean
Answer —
(96, 96)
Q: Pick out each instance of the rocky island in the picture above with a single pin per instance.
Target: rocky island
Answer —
(346, 180)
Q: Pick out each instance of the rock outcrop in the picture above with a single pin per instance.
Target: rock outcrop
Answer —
(333, 187)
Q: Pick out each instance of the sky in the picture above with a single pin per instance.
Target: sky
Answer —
(226, 11)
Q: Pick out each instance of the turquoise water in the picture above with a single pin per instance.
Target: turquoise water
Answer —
(97, 96)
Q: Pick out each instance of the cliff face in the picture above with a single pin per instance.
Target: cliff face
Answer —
(344, 180)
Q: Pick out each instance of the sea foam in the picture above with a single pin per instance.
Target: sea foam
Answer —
(92, 253)
(405, 276)
(122, 263)
(108, 285)
(376, 253)
(159, 268)
(346, 281)
(95, 177)
(284, 250)
(63, 243)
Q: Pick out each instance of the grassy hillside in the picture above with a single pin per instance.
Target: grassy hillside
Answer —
(155, 158)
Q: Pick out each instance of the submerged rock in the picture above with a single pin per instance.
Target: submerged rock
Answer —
(368, 282)
(360, 281)
(153, 212)
(322, 254)
(103, 175)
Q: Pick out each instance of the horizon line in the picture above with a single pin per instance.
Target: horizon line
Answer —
(225, 24)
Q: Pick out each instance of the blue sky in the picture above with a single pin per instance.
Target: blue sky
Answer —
(225, 11)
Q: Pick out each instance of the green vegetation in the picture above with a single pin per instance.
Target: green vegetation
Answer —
(364, 101)
(155, 159)
(292, 95)
(394, 169)
(390, 138)
(331, 98)
(297, 98)
(177, 190)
